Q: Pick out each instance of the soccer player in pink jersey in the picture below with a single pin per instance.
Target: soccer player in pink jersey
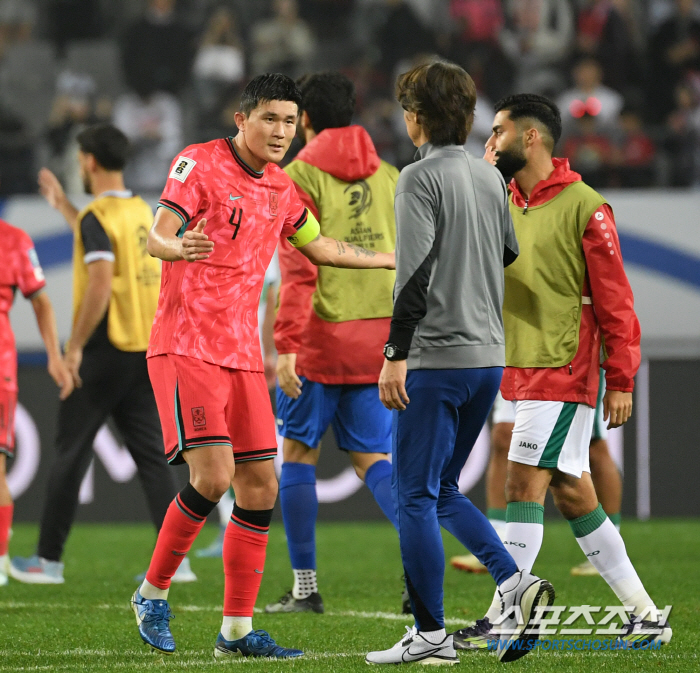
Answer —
(224, 206)
(20, 268)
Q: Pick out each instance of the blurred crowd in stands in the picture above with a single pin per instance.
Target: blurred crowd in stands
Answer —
(626, 74)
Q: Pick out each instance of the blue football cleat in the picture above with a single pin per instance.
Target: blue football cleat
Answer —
(255, 644)
(153, 619)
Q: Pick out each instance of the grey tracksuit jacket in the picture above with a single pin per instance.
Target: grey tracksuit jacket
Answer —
(454, 237)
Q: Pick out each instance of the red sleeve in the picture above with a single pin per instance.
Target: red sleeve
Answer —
(183, 193)
(30, 276)
(296, 214)
(296, 289)
(612, 300)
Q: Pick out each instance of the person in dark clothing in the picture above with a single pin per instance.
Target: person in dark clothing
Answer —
(673, 52)
(157, 51)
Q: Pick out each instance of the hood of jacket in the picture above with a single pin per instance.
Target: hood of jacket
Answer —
(346, 153)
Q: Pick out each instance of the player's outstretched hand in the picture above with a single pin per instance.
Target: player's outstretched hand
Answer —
(50, 188)
(196, 244)
(490, 155)
(617, 406)
(392, 385)
(61, 376)
(287, 375)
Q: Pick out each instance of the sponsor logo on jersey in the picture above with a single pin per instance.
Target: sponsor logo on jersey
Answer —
(199, 418)
(528, 445)
(274, 202)
(182, 168)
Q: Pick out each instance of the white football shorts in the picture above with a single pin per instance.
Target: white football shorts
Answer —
(553, 435)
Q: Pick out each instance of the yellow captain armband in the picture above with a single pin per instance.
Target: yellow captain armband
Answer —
(307, 228)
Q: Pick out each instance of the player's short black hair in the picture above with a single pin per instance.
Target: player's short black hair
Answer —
(107, 144)
(533, 106)
(442, 95)
(328, 98)
(267, 87)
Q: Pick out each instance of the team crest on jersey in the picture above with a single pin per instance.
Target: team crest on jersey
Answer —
(182, 168)
(199, 418)
(274, 202)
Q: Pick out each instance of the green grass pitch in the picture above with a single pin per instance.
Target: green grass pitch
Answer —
(86, 624)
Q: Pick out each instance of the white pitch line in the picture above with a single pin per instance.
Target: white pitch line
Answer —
(356, 614)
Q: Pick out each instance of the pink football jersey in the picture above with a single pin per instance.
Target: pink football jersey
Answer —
(209, 309)
(19, 269)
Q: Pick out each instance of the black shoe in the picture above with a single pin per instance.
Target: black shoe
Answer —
(475, 637)
(638, 635)
(312, 603)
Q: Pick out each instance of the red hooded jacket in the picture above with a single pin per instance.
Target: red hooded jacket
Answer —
(610, 314)
(348, 352)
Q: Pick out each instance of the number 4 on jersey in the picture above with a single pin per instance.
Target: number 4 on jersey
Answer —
(235, 220)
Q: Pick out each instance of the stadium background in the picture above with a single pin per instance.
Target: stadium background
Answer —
(169, 73)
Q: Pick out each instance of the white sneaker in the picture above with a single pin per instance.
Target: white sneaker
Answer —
(4, 569)
(518, 609)
(184, 573)
(413, 647)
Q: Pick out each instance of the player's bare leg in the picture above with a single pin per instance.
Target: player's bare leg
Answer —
(5, 520)
(501, 434)
(496, 471)
(606, 479)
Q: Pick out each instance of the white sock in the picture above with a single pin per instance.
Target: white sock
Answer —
(499, 525)
(434, 637)
(494, 611)
(224, 509)
(304, 583)
(152, 593)
(523, 541)
(606, 550)
(234, 628)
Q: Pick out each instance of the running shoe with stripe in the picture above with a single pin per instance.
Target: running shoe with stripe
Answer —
(475, 637)
(641, 633)
(255, 644)
(153, 619)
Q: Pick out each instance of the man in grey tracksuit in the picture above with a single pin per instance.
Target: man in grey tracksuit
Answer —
(445, 354)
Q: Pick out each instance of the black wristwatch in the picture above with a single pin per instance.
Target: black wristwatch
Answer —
(393, 353)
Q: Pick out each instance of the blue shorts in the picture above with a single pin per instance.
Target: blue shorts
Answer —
(360, 421)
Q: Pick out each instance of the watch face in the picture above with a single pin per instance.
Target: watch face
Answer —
(390, 351)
